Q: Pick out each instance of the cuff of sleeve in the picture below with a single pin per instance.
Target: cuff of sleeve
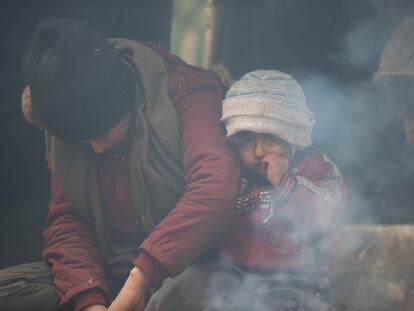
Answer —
(88, 298)
(151, 267)
(284, 190)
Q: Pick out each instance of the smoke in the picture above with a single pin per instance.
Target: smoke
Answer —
(360, 47)
(364, 136)
(360, 128)
(232, 289)
(359, 123)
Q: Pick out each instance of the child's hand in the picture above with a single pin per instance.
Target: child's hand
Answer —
(277, 165)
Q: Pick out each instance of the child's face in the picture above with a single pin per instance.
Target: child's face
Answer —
(254, 147)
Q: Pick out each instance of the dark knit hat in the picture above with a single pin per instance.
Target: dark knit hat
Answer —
(80, 86)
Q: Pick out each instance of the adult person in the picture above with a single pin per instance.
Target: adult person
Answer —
(142, 182)
(395, 81)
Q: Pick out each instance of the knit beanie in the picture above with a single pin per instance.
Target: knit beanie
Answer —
(80, 85)
(271, 102)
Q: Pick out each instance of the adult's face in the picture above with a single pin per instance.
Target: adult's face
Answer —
(113, 137)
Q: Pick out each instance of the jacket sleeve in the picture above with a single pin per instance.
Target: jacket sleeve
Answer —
(70, 251)
(311, 193)
(202, 215)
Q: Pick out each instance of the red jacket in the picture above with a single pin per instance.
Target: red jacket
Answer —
(195, 225)
(291, 226)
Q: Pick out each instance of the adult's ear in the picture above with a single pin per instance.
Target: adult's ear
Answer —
(26, 106)
(408, 122)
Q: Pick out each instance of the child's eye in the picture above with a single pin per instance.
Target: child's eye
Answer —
(272, 139)
(246, 138)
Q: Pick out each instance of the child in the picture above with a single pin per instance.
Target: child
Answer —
(281, 247)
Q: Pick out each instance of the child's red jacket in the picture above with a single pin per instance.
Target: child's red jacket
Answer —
(292, 226)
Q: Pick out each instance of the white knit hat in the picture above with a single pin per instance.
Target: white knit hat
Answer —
(271, 102)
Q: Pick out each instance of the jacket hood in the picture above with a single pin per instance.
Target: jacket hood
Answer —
(398, 55)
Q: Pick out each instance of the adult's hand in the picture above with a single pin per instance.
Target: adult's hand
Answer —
(95, 308)
(132, 295)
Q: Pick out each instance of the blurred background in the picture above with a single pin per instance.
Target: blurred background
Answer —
(332, 47)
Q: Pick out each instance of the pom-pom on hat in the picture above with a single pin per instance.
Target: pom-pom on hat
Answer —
(271, 102)
(80, 86)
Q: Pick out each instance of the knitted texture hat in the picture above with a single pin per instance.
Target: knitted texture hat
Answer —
(271, 102)
(398, 56)
(80, 86)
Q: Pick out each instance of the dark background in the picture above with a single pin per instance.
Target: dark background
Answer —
(306, 42)
(308, 38)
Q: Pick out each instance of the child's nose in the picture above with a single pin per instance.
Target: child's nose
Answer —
(259, 149)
